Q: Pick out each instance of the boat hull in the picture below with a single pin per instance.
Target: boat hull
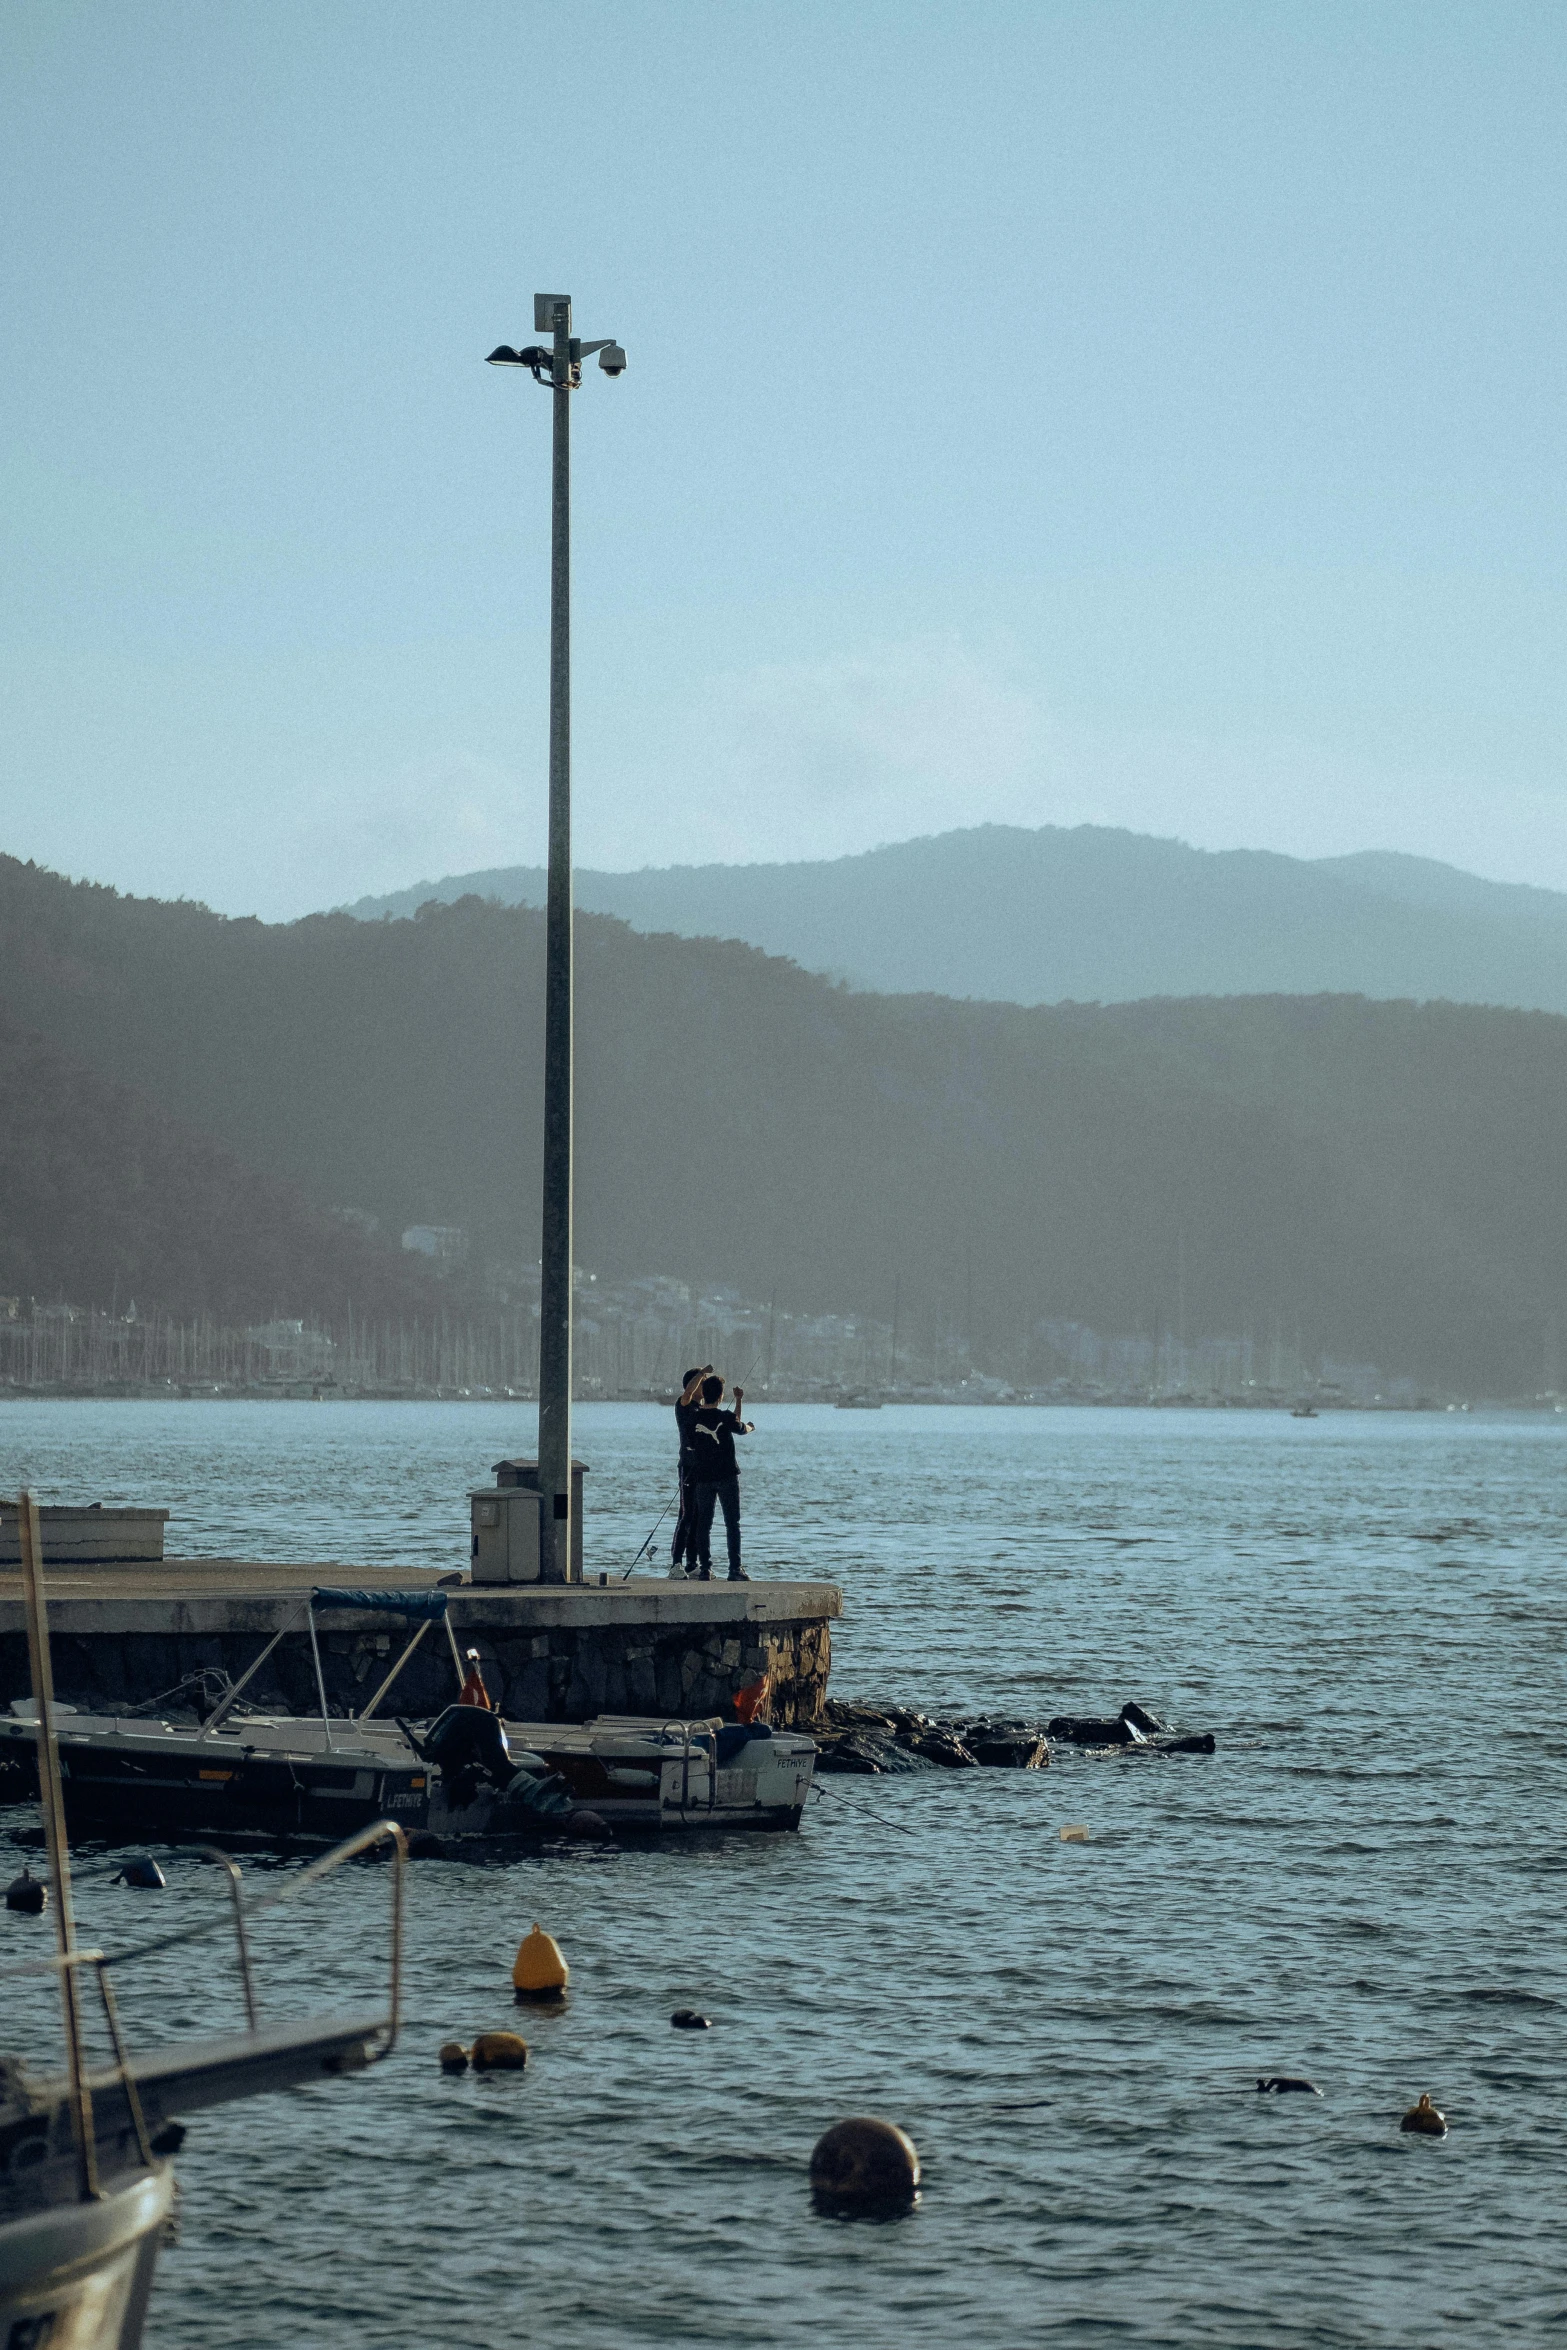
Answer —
(139, 1782)
(78, 2276)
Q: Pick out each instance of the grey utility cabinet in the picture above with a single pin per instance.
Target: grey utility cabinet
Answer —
(505, 1524)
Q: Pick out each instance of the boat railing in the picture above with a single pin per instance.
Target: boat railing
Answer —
(100, 1961)
(690, 1742)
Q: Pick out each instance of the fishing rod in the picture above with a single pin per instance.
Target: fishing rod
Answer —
(652, 1530)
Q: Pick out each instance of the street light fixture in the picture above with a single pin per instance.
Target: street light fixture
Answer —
(558, 364)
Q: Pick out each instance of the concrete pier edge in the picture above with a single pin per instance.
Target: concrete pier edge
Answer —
(550, 1653)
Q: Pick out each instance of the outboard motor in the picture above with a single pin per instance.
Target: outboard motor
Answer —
(466, 1744)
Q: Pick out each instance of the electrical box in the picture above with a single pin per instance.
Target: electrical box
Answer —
(505, 1525)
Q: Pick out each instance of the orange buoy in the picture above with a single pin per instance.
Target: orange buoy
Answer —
(539, 1971)
(1425, 2120)
(864, 2165)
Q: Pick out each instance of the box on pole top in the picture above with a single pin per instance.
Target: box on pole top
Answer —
(544, 309)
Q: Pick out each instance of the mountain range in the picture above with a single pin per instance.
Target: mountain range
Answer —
(1091, 915)
(1384, 1181)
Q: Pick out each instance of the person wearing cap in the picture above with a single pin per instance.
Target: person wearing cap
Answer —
(473, 1691)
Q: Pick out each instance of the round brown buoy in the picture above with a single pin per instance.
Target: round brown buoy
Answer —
(865, 2165)
(1425, 2120)
(500, 2052)
(454, 2057)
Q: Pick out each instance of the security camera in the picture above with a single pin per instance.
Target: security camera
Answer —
(612, 359)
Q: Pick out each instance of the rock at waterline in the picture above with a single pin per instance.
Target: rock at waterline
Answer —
(1019, 1751)
(872, 1740)
(1090, 1730)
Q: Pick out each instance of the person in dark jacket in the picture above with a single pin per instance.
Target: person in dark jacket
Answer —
(682, 1549)
(715, 1474)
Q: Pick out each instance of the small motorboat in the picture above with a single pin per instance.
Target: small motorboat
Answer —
(1304, 1410)
(242, 1780)
(86, 2183)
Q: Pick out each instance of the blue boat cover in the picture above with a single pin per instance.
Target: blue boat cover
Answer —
(430, 1605)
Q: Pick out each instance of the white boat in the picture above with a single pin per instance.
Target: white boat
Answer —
(86, 2184)
(246, 1779)
(306, 1780)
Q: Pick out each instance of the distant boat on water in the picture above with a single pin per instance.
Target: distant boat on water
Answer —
(1304, 1410)
(858, 1399)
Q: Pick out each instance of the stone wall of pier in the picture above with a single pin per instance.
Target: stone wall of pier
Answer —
(562, 1657)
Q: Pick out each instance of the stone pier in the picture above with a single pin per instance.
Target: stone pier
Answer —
(551, 1653)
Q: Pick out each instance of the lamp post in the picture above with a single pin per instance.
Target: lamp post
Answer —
(559, 365)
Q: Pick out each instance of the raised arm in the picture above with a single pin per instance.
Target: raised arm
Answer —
(694, 1389)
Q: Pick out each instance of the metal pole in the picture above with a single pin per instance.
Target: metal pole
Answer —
(555, 1237)
(52, 1803)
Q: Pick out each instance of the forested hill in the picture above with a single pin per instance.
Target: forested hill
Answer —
(1094, 916)
(1389, 1181)
(106, 1200)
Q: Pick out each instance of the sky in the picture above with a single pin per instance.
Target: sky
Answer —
(1106, 412)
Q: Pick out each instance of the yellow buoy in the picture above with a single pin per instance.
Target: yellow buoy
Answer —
(454, 2057)
(539, 1972)
(1425, 2119)
(500, 2052)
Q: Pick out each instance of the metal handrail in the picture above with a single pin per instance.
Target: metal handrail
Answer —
(688, 1742)
(379, 1831)
(236, 1889)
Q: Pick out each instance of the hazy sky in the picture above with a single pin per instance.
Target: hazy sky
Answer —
(1142, 414)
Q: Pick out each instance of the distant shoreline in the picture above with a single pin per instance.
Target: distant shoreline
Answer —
(1230, 1405)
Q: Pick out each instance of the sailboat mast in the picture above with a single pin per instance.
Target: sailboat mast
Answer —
(52, 1801)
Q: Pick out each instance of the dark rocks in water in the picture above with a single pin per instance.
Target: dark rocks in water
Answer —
(1141, 1719)
(856, 1755)
(868, 1753)
(871, 1740)
(1280, 2084)
(841, 1716)
(1019, 1751)
(1134, 1728)
(1092, 1730)
(940, 1746)
(27, 1895)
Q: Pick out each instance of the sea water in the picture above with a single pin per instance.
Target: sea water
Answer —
(1363, 1885)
